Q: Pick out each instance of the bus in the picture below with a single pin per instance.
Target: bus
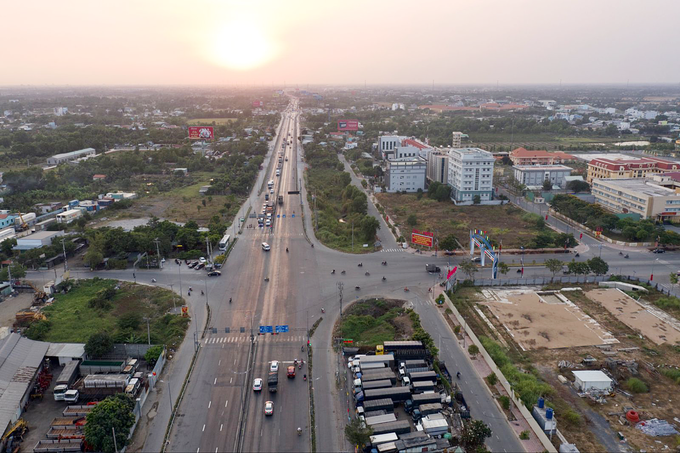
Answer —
(224, 243)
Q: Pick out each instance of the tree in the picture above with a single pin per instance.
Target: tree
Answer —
(598, 265)
(577, 186)
(473, 350)
(114, 413)
(469, 268)
(448, 243)
(357, 433)
(369, 226)
(547, 185)
(98, 344)
(554, 265)
(152, 354)
(474, 434)
(673, 278)
(412, 220)
(93, 258)
(443, 193)
(503, 268)
(476, 199)
(577, 267)
(18, 271)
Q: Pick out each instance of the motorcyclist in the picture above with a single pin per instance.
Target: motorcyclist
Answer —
(230, 300)
(286, 249)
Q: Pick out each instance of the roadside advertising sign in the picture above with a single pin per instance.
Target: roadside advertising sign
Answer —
(422, 238)
(201, 133)
(348, 125)
(258, 104)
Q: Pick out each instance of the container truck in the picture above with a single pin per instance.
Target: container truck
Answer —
(421, 386)
(381, 384)
(420, 399)
(397, 394)
(272, 381)
(378, 375)
(370, 366)
(66, 378)
(379, 404)
(432, 269)
(280, 199)
(378, 419)
(423, 376)
(398, 427)
(387, 359)
(403, 349)
(463, 408)
(383, 438)
(426, 409)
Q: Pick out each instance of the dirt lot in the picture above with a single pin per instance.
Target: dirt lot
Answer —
(11, 305)
(545, 322)
(502, 223)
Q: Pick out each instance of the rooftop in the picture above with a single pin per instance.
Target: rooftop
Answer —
(542, 167)
(73, 153)
(42, 235)
(592, 375)
(523, 152)
(416, 143)
(474, 153)
(634, 162)
(640, 186)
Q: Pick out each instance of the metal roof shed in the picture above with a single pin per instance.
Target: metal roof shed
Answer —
(591, 380)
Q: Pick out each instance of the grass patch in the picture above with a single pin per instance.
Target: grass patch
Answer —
(73, 317)
(672, 373)
(374, 321)
(635, 385)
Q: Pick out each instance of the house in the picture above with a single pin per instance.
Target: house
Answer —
(535, 175)
(73, 155)
(588, 380)
(98, 177)
(438, 166)
(522, 156)
(622, 166)
(470, 175)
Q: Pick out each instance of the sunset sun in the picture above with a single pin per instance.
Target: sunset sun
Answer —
(241, 44)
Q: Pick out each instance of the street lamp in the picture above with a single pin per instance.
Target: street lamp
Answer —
(651, 277)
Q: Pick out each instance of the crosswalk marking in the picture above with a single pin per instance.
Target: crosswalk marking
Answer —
(268, 338)
(392, 250)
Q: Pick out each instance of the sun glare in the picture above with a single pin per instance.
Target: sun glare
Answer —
(242, 45)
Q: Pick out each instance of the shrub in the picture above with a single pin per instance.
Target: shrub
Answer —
(505, 402)
(98, 345)
(670, 373)
(152, 354)
(130, 321)
(571, 418)
(635, 385)
(473, 350)
(492, 379)
(524, 435)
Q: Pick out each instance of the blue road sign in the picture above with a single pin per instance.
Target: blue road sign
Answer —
(278, 216)
(282, 329)
(284, 216)
(266, 329)
(293, 215)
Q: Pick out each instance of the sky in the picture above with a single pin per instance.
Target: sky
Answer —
(348, 42)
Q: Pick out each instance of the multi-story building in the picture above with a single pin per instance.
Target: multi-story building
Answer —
(535, 175)
(406, 175)
(622, 167)
(470, 174)
(438, 166)
(521, 156)
(6, 220)
(638, 196)
(457, 140)
(73, 155)
(387, 144)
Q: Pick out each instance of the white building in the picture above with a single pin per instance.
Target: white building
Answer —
(73, 155)
(406, 175)
(438, 167)
(470, 174)
(37, 240)
(457, 140)
(638, 196)
(387, 144)
(534, 175)
(592, 380)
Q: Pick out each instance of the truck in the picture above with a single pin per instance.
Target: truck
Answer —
(397, 394)
(383, 438)
(378, 375)
(421, 386)
(422, 398)
(272, 381)
(102, 366)
(280, 199)
(378, 419)
(403, 350)
(94, 387)
(434, 426)
(379, 404)
(425, 409)
(383, 383)
(66, 378)
(423, 376)
(463, 408)
(387, 359)
(398, 427)
(370, 366)
(270, 183)
(432, 269)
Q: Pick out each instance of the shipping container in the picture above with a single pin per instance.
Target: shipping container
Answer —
(398, 427)
(378, 375)
(383, 438)
(422, 386)
(383, 383)
(383, 403)
(378, 419)
(426, 398)
(423, 376)
(397, 394)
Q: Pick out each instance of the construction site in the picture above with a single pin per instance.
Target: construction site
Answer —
(610, 359)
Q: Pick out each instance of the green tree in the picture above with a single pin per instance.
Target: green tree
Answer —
(473, 350)
(114, 413)
(98, 344)
(547, 185)
(152, 354)
(577, 267)
(18, 271)
(673, 278)
(476, 199)
(443, 193)
(469, 268)
(503, 268)
(448, 243)
(93, 258)
(358, 434)
(369, 227)
(578, 186)
(598, 266)
(474, 434)
(554, 265)
(412, 220)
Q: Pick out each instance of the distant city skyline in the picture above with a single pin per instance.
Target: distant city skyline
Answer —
(300, 42)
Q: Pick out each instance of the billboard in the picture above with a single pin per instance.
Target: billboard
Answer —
(348, 125)
(422, 238)
(201, 133)
(257, 104)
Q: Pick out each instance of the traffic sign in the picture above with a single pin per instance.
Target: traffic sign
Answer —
(284, 216)
(266, 329)
(347, 340)
(293, 215)
(278, 216)
(282, 329)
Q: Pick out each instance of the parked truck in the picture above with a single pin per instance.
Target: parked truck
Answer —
(398, 427)
(378, 375)
(378, 419)
(423, 376)
(422, 398)
(383, 383)
(280, 199)
(66, 378)
(422, 386)
(432, 268)
(425, 409)
(403, 350)
(379, 404)
(463, 408)
(397, 394)
(272, 381)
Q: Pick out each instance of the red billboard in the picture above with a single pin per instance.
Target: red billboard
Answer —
(258, 104)
(348, 125)
(422, 238)
(201, 133)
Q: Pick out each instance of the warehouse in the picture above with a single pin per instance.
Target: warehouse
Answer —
(68, 157)
(37, 240)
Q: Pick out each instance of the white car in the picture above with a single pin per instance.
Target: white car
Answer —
(269, 408)
(266, 247)
(274, 366)
(268, 223)
(202, 260)
(257, 385)
(271, 190)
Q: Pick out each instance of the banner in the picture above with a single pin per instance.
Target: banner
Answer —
(348, 125)
(422, 238)
(451, 272)
(201, 133)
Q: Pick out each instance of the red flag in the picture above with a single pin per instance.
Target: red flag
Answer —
(451, 272)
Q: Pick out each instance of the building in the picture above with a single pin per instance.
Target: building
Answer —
(6, 220)
(98, 177)
(73, 155)
(37, 240)
(638, 196)
(7, 233)
(521, 156)
(591, 380)
(438, 167)
(89, 205)
(628, 167)
(68, 216)
(117, 196)
(406, 175)
(457, 139)
(535, 175)
(470, 174)
(21, 360)
(387, 144)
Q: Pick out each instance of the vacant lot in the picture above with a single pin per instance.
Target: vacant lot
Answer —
(372, 321)
(74, 316)
(503, 224)
(210, 121)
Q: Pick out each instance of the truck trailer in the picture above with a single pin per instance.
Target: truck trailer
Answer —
(397, 394)
(383, 383)
(423, 376)
(398, 427)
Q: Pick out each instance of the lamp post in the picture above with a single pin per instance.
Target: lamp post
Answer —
(651, 277)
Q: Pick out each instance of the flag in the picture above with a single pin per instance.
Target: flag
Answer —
(451, 272)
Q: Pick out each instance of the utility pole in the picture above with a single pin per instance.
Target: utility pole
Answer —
(63, 247)
(352, 235)
(9, 276)
(148, 330)
(158, 253)
(115, 445)
(341, 285)
(179, 268)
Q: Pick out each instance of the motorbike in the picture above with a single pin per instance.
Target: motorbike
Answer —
(304, 377)
(620, 253)
(406, 289)
(153, 280)
(626, 256)
(384, 279)
(343, 272)
(357, 288)
(202, 293)
(333, 272)
(519, 271)
(384, 263)
(286, 249)
(577, 255)
(360, 265)
(230, 300)
(299, 430)
(323, 310)
(300, 365)
(266, 279)
(458, 375)
(367, 274)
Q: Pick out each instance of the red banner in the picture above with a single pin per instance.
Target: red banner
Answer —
(348, 125)
(201, 133)
(422, 238)
(451, 272)
(257, 104)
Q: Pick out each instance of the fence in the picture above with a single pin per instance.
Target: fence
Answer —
(535, 281)
(542, 437)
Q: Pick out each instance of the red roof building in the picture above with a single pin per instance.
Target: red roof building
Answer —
(634, 167)
(522, 156)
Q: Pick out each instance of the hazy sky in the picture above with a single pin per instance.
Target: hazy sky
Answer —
(161, 42)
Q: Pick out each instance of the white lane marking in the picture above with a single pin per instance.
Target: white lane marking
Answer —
(197, 450)
(203, 428)
(234, 361)
(230, 379)
(220, 362)
(226, 404)
(209, 404)
(221, 426)
(215, 382)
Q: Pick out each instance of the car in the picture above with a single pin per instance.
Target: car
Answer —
(269, 408)
(659, 251)
(202, 260)
(192, 265)
(266, 196)
(266, 247)
(476, 259)
(209, 266)
(274, 366)
(291, 371)
(218, 265)
(271, 190)
(257, 385)
(200, 266)
(214, 274)
(268, 223)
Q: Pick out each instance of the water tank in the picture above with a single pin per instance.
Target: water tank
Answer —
(549, 414)
(541, 402)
